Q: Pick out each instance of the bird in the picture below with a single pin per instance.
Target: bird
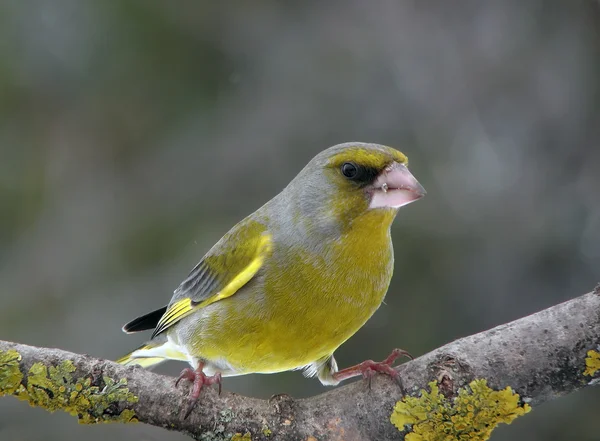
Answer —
(285, 287)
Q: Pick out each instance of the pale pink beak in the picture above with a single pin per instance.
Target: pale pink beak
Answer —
(395, 187)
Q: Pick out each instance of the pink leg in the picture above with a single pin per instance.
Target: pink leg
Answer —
(368, 368)
(199, 379)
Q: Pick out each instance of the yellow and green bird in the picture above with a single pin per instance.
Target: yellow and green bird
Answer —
(286, 286)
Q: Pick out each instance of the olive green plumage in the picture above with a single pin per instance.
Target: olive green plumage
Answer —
(285, 287)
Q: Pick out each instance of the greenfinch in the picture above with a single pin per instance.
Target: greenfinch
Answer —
(286, 286)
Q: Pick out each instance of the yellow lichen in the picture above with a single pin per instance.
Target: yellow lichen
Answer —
(10, 374)
(472, 415)
(592, 363)
(239, 437)
(266, 431)
(54, 388)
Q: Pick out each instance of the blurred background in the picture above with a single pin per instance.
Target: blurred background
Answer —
(133, 134)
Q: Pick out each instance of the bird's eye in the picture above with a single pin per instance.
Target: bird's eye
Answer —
(349, 170)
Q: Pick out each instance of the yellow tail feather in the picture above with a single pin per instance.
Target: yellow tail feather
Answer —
(145, 362)
(152, 353)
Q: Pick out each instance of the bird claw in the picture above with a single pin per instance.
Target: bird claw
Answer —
(199, 379)
(385, 367)
(190, 406)
(186, 374)
(214, 379)
(397, 353)
(368, 368)
(368, 375)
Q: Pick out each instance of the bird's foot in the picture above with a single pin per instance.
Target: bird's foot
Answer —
(369, 368)
(198, 379)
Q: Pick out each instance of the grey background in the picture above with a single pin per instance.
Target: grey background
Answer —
(133, 134)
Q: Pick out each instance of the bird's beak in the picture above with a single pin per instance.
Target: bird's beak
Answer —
(395, 187)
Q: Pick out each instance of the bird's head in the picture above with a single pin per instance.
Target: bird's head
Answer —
(371, 176)
(347, 181)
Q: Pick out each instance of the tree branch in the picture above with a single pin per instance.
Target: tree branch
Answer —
(542, 357)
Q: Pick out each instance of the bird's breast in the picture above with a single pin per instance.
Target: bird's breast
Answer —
(327, 294)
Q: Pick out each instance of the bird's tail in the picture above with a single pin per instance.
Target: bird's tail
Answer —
(142, 356)
(154, 352)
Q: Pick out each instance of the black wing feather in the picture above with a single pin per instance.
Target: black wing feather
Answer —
(145, 322)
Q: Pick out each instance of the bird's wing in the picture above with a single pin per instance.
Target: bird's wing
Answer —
(228, 266)
(144, 322)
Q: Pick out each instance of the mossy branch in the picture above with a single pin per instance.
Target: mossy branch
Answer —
(461, 390)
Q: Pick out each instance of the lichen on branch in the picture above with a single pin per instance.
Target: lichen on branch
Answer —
(55, 388)
(10, 374)
(472, 415)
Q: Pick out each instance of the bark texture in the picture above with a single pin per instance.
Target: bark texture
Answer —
(541, 356)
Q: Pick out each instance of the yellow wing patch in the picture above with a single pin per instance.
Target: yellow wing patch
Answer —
(174, 313)
(186, 306)
(263, 249)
